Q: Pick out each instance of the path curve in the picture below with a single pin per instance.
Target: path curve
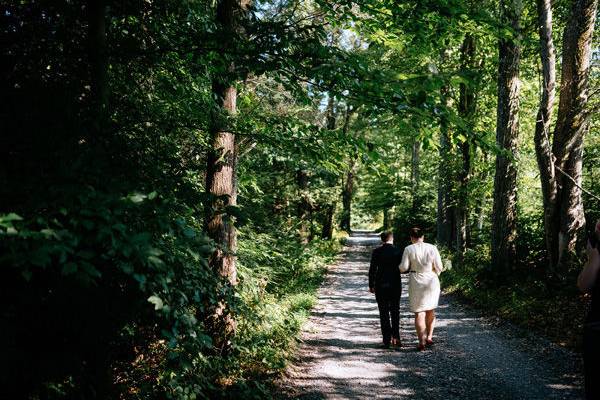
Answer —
(473, 358)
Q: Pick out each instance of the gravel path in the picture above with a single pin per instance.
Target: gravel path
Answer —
(473, 358)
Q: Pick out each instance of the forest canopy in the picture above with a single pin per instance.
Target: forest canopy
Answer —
(176, 175)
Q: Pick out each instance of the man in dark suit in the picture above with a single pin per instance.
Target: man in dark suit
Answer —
(385, 282)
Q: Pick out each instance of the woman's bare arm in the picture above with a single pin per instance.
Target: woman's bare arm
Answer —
(437, 261)
(405, 263)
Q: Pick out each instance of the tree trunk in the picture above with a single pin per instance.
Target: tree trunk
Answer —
(563, 207)
(304, 206)
(387, 221)
(329, 208)
(347, 192)
(481, 200)
(504, 215)
(348, 183)
(466, 109)
(327, 230)
(542, 128)
(415, 175)
(330, 112)
(221, 175)
(446, 202)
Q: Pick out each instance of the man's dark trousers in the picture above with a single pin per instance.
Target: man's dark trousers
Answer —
(388, 301)
(384, 278)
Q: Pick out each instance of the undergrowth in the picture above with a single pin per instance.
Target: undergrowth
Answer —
(553, 309)
(279, 279)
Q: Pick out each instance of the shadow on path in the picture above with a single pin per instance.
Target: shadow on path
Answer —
(339, 356)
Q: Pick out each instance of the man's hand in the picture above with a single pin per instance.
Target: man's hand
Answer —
(372, 290)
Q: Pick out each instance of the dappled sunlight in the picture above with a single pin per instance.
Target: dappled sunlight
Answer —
(340, 354)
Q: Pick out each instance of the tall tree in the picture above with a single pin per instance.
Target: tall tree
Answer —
(415, 173)
(348, 181)
(221, 164)
(304, 205)
(446, 230)
(329, 207)
(466, 109)
(560, 161)
(504, 215)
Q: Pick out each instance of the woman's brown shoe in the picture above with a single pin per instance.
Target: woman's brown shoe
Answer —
(420, 347)
(429, 342)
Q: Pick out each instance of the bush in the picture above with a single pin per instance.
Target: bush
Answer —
(81, 280)
(520, 297)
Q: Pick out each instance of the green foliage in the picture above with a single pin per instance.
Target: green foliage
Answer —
(279, 278)
(102, 245)
(519, 296)
(138, 257)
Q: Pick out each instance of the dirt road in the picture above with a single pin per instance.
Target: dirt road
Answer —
(473, 358)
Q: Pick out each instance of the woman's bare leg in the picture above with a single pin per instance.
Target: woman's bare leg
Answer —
(430, 323)
(420, 327)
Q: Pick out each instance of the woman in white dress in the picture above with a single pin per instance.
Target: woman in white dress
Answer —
(424, 264)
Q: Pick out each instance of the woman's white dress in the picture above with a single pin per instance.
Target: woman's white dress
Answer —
(425, 264)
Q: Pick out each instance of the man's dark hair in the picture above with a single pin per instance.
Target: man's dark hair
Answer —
(386, 235)
(416, 233)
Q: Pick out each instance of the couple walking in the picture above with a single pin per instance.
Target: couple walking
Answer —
(423, 263)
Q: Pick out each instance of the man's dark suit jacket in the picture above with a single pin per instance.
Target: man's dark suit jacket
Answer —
(384, 272)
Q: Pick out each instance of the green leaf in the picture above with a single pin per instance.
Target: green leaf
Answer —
(136, 197)
(127, 268)
(189, 232)
(155, 261)
(50, 234)
(157, 301)
(10, 217)
(153, 251)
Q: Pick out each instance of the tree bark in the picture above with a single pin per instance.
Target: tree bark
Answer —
(347, 193)
(481, 200)
(304, 206)
(328, 209)
(446, 202)
(504, 215)
(327, 230)
(387, 221)
(221, 185)
(543, 148)
(563, 207)
(466, 109)
(330, 112)
(348, 183)
(415, 175)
